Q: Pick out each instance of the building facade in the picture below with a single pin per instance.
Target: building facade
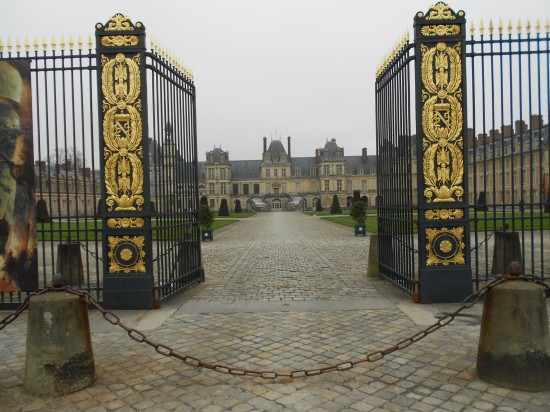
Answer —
(280, 181)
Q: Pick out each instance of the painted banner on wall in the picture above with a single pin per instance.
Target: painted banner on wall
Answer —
(18, 259)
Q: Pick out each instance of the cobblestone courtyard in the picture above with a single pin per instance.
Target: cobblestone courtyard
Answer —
(283, 292)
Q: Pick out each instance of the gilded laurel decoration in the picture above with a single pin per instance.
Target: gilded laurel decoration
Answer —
(444, 214)
(122, 132)
(441, 30)
(126, 254)
(119, 41)
(442, 123)
(119, 22)
(125, 222)
(445, 246)
(440, 11)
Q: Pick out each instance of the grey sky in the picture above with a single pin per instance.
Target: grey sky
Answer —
(278, 68)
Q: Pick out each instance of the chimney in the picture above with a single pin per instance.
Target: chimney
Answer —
(289, 147)
(265, 144)
(506, 131)
(481, 139)
(520, 126)
(471, 137)
(495, 135)
(364, 153)
(536, 121)
(317, 155)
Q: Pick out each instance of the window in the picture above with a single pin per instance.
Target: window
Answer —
(256, 188)
(326, 170)
(314, 187)
(267, 173)
(212, 203)
(359, 170)
(275, 172)
(224, 188)
(235, 188)
(283, 187)
(211, 190)
(245, 188)
(283, 172)
(223, 173)
(348, 170)
(349, 186)
(298, 172)
(339, 170)
(298, 187)
(268, 188)
(327, 185)
(339, 185)
(211, 173)
(364, 185)
(313, 171)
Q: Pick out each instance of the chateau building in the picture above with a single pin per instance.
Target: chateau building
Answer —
(280, 181)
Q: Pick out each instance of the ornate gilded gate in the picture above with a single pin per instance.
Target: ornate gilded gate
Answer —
(468, 192)
(114, 132)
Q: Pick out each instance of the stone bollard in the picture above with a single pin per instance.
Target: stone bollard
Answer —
(69, 263)
(507, 249)
(514, 342)
(372, 266)
(59, 348)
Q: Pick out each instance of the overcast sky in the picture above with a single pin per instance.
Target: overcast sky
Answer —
(277, 68)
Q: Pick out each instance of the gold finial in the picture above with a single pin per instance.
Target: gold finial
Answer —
(53, 43)
(1, 45)
(44, 43)
(491, 27)
(538, 26)
(10, 45)
(80, 42)
(472, 29)
(528, 26)
(510, 27)
(481, 28)
(547, 26)
(62, 43)
(500, 26)
(17, 45)
(27, 45)
(90, 42)
(71, 43)
(36, 44)
(520, 27)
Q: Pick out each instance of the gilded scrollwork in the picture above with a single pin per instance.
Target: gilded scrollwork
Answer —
(442, 123)
(445, 246)
(119, 41)
(441, 30)
(119, 22)
(122, 132)
(126, 254)
(444, 214)
(440, 11)
(125, 222)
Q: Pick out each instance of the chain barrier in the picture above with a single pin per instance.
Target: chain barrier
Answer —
(371, 356)
(90, 252)
(482, 242)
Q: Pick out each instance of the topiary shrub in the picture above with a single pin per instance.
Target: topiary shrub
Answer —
(203, 201)
(224, 210)
(319, 206)
(238, 208)
(206, 216)
(335, 208)
(42, 214)
(359, 212)
(356, 196)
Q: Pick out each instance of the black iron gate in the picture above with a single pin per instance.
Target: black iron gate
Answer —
(79, 231)
(463, 186)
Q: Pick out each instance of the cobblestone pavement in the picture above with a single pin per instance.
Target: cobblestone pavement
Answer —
(284, 291)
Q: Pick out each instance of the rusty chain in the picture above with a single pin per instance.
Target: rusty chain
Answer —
(371, 356)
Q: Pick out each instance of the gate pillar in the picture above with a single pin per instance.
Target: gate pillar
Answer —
(122, 93)
(443, 219)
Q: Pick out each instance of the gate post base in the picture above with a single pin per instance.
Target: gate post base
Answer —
(507, 250)
(59, 348)
(372, 266)
(446, 285)
(69, 263)
(128, 292)
(514, 342)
